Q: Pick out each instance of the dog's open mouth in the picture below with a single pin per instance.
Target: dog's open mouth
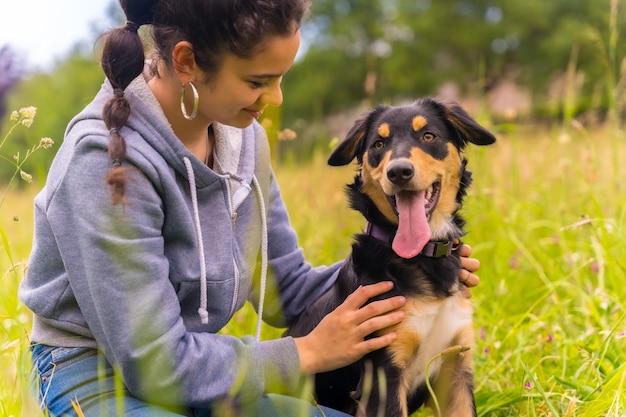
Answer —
(432, 197)
(414, 209)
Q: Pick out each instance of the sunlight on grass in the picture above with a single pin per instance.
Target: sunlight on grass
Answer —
(546, 217)
(15, 398)
(15, 236)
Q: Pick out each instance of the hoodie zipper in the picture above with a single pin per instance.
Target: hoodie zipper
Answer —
(233, 217)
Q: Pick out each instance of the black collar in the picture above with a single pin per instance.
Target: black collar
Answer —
(433, 249)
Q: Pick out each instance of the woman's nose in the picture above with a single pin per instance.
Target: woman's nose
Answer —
(273, 95)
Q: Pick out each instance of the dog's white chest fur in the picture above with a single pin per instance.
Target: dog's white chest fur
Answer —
(438, 324)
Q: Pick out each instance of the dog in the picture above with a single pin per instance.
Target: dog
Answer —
(410, 186)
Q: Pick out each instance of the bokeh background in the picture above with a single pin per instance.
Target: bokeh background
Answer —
(546, 213)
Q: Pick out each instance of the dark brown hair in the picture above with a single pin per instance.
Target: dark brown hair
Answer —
(213, 27)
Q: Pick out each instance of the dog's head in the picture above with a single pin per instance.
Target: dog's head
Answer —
(411, 165)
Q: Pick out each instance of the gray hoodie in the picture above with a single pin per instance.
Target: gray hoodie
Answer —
(151, 282)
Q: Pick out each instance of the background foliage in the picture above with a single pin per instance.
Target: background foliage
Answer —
(561, 60)
(546, 212)
(380, 50)
(546, 217)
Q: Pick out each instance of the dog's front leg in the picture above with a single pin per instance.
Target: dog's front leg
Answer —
(380, 391)
(454, 386)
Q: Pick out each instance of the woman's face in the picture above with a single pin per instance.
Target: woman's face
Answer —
(242, 88)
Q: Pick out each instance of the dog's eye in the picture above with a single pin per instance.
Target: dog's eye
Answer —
(379, 144)
(429, 137)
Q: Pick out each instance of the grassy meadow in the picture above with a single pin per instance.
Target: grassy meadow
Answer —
(546, 217)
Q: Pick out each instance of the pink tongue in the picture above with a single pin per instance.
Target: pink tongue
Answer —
(413, 231)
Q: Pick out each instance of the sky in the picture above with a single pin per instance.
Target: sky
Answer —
(42, 31)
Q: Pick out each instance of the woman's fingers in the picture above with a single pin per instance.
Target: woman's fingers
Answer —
(470, 264)
(467, 278)
(464, 249)
(377, 322)
(468, 267)
(379, 309)
(379, 342)
(363, 313)
(362, 294)
(344, 330)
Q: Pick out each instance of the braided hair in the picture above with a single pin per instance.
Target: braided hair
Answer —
(213, 27)
(122, 61)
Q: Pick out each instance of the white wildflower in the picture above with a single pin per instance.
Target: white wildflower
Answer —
(46, 143)
(28, 112)
(26, 176)
(28, 115)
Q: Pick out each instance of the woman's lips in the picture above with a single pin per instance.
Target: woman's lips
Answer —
(255, 113)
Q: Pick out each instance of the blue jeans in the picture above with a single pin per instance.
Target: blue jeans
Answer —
(83, 376)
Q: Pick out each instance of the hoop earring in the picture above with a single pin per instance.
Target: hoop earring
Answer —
(196, 99)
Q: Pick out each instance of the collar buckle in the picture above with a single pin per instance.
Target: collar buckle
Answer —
(437, 249)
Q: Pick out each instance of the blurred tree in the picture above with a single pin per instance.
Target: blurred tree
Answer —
(360, 52)
(383, 50)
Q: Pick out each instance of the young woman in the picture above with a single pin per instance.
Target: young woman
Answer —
(156, 209)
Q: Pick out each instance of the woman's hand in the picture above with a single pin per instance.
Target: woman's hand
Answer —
(339, 339)
(467, 273)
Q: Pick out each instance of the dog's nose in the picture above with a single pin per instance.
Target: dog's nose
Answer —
(400, 172)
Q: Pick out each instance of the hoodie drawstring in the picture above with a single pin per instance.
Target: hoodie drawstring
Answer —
(202, 311)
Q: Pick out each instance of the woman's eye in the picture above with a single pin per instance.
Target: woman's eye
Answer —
(379, 144)
(257, 84)
(429, 137)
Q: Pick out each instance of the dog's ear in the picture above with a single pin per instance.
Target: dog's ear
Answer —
(469, 129)
(350, 147)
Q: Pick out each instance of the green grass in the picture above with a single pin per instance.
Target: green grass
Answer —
(546, 218)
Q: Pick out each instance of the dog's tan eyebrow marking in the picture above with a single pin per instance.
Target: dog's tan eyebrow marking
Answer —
(419, 122)
(384, 130)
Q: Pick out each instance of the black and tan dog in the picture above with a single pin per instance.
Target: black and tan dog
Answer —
(410, 187)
